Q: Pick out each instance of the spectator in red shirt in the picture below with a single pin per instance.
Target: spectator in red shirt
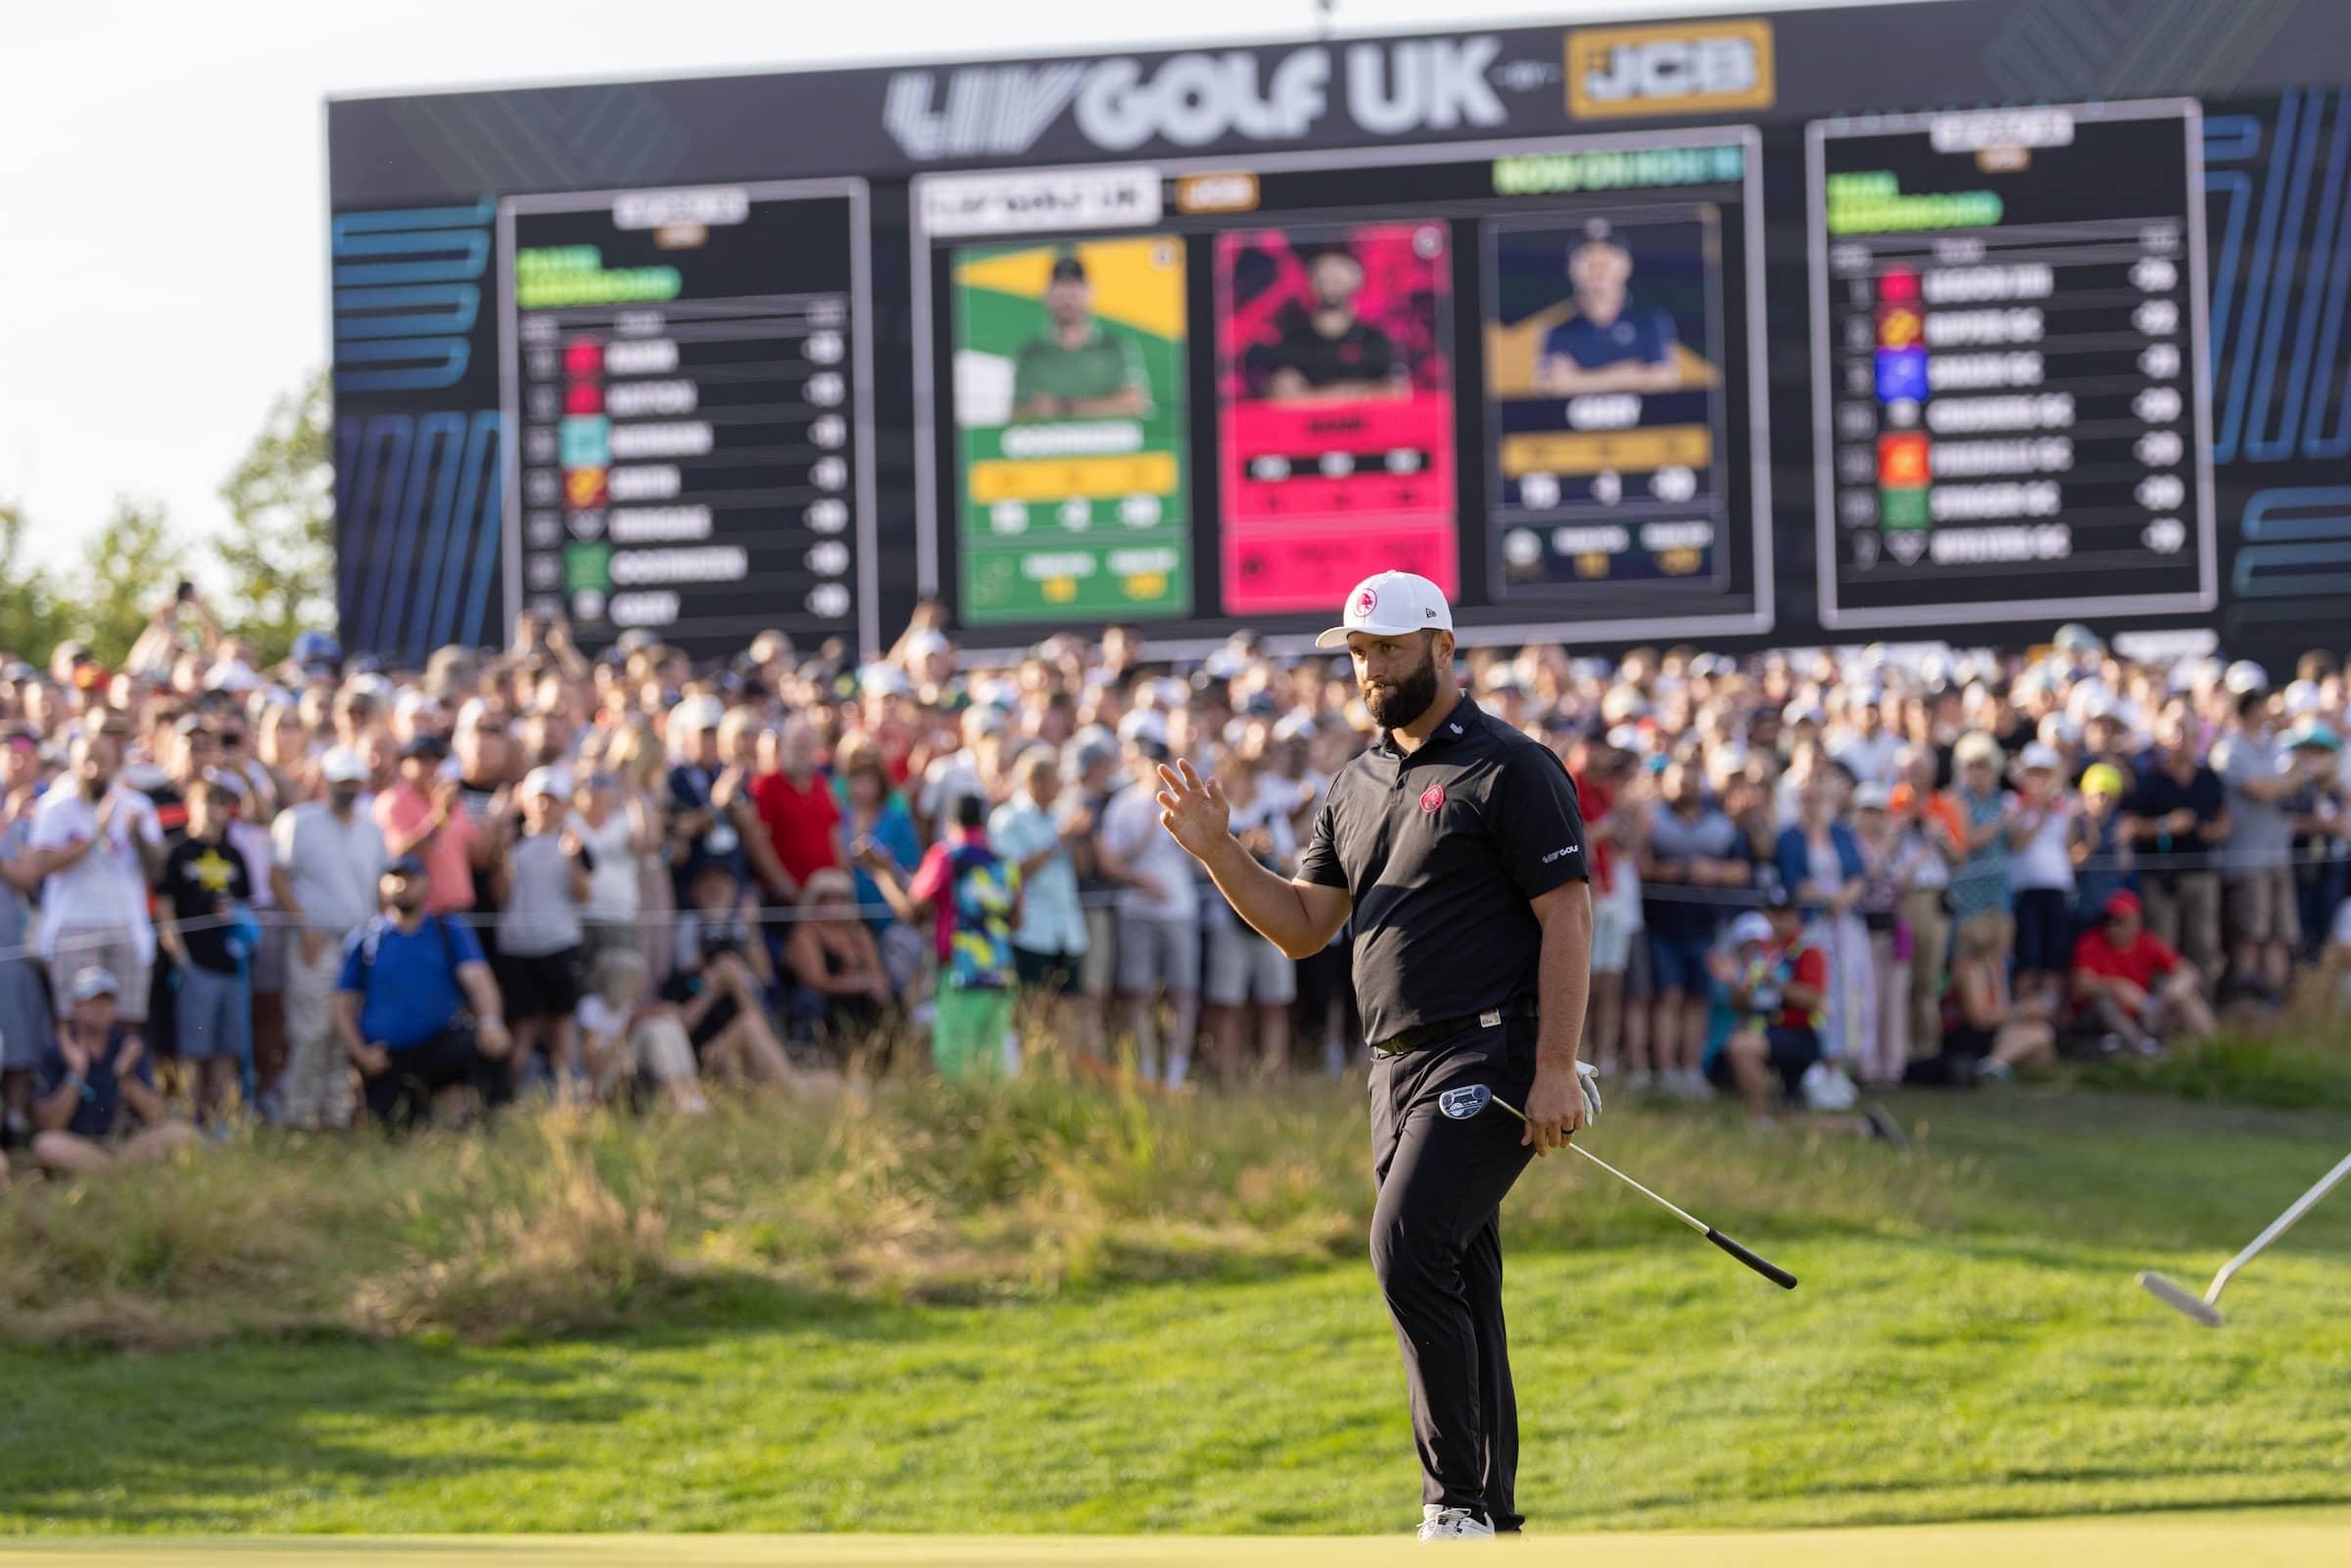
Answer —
(798, 805)
(2135, 983)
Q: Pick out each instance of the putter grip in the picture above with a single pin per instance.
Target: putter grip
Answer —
(1762, 1266)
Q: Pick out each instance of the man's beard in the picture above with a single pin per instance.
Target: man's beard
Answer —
(1409, 697)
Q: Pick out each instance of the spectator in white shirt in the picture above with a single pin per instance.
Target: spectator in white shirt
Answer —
(1035, 830)
(1157, 906)
(103, 846)
(332, 854)
(1249, 982)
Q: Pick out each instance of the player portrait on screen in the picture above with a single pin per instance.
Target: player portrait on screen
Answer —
(1612, 342)
(1335, 406)
(1073, 368)
(1326, 351)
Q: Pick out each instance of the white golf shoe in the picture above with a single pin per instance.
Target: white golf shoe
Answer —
(1452, 1524)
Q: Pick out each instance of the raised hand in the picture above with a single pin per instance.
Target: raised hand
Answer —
(1192, 809)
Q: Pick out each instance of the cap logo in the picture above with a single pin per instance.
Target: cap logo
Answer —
(1432, 797)
(1366, 602)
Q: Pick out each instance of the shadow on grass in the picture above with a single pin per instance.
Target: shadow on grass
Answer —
(207, 1440)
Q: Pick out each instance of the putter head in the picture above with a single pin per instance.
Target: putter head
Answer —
(2171, 1294)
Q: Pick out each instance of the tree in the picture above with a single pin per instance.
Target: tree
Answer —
(128, 569)
(34, 619)
(281, 554)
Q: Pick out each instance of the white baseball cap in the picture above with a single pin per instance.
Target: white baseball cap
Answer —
(2037, 755)
(1390, 605)
(342, 765)
(554, 782)
(1750, 926)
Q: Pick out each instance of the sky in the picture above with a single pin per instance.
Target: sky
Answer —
(140, 350)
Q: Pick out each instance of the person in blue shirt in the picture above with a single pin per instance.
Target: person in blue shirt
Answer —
(1612, 343)
(416, 1006)
(95, 1070)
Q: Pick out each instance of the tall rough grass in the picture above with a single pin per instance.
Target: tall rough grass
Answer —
(558, 1221)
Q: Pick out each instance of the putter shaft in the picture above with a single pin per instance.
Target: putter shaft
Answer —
(1755, 1260)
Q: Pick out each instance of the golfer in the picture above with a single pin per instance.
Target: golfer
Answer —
(1454, 844)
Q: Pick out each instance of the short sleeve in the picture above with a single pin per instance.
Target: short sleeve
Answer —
(147, 824)
(1536, 826)
(281, 839)
(1812, 969)
(1024, 374)
(1319, 863)
(463, 941)
(49, 830)
(349, 979)
(930, 877)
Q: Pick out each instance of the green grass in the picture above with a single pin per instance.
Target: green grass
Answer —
(1051, 1310)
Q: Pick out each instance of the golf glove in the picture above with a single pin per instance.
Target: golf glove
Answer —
(1587, 1078)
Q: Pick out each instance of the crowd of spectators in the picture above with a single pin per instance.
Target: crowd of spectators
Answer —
(329, 886)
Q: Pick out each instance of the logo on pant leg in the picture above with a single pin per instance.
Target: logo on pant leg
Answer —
(1464, 1102)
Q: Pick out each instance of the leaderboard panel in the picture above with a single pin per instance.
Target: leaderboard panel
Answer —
(689, 375)
(1212, 395)
(2010, 405)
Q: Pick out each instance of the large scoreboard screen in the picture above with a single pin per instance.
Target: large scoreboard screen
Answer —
(1219, 394)
(690, 377)
(1834, 323)
(2009, 354)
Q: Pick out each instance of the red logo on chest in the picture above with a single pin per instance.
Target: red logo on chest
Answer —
(1432, 797)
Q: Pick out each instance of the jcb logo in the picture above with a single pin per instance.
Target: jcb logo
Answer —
(1693, 68)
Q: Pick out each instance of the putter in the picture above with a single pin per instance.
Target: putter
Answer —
(1755, 1260)
(2206, 1309)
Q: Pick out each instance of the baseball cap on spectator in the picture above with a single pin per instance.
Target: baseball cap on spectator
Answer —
(926, 643)
(431, 748)
(414, 703)
(342, 765)
(1872, 796)
(985, 719)
(1751, 928)
(406, 866)
(1294, 726)
(94, 982)
(1088, 749)
(2245, 675)
(2103, 779)
(231, 675)
(1976, 746)
(2037, 756)
(21, 735)
(636, 640)
(2314, 733)
(1146, 731)
(2301, 697)
(317, 651)
(2123, 902)
(2075, 637)
(697, 714)
(884, 680)
(1390, 605)
(1803, 711)
(554, 782)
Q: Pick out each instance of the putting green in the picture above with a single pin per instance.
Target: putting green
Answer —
(2277, 1538)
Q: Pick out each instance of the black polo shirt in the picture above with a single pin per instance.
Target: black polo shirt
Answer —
(1442, 852)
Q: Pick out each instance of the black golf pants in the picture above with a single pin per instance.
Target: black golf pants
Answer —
(1436, 1245)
